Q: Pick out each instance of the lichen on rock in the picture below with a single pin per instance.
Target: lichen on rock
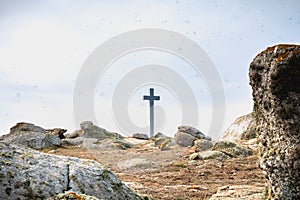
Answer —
(275, 80)
(231, 149)
(29, 174)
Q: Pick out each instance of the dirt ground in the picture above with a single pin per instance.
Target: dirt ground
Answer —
(169, 175)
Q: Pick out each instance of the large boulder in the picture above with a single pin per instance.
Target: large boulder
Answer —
(243, 128)
(193, 131)
(91, 136)
(92, 131)
(184, 139)
(29, 174)
(275, 80)
(186, 135)
(34, 136)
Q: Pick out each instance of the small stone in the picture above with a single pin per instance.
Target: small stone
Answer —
(140, 136)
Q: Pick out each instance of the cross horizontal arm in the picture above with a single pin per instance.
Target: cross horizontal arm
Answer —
(151, 98)
(147, 98)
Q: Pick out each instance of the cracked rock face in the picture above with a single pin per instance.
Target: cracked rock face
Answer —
(28, 174)
(275, 80)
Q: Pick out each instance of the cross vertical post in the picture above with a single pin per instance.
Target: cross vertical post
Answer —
(151, 99)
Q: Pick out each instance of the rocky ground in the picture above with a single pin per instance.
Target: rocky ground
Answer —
(188, 166)
(171, 175)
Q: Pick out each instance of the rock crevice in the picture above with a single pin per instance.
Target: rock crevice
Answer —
(28, 174)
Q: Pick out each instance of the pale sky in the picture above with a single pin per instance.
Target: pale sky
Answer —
(43, 45)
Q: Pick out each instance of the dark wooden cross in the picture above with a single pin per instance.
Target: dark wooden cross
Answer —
(151, 99)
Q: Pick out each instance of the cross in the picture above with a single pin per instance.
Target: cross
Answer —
(151, 99)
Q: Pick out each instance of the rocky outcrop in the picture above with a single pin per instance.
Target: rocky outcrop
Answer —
(34, 136)
(94, 143)
(113, 143)
(91, 136)
(56, 131)
(186, 136)
(220, 150)
(275, 80)
(243, 128)
(29, 174)
(92, 131)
